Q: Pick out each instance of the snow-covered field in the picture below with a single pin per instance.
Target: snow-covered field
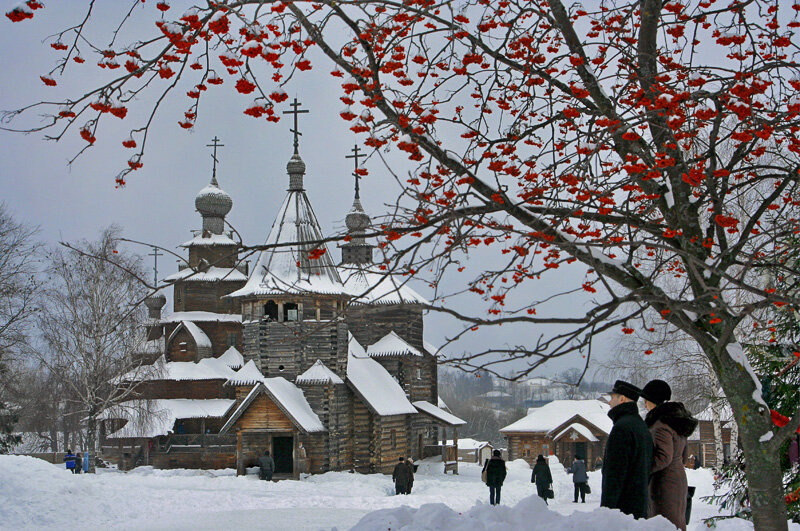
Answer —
(38, 495)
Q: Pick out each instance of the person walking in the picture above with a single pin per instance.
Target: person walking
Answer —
(542, 477)
(69, 461)
(670, 424)
(410, 465)
(579, 478)
(266, 466)
(78, 463)
(86, 463)
(794, 450)
(401, 477)
(495, 475)
(628, 455)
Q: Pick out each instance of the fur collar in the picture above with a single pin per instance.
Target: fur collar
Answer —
(675, 415)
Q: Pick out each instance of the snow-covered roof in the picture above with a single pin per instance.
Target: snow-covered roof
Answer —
(205, 238)
(232, 358)
(373, 287)
(212, 274)
(288, 397)
(725, 413)
(151, 418)
(202, 317)
(468, 444)
(247, 375)
(580, 428)
(318, 374)
(440, 404)
(374, 385)
(200, 338)
(430, 348)
(551, 416)
(439, 414)
(287, 267)
(496, 394)
(205, 369)
(391, 345)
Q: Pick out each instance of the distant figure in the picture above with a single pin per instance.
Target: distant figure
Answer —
(495, 475)
(697, 463)
(402, 476)
(181, 429)
(410, 464)
(598, 463)
(78, 463)
(266, 466)
(542, 477)
(794, 450)
(579, 478)
(628, 455)
(302, 458)
(86, 463)
(69, 461)
(670, 425)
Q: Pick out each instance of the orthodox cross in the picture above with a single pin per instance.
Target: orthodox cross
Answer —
(155, 254)
(215, 145)
(295, 105)
(355, 156)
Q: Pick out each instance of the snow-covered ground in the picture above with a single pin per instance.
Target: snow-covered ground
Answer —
(37, 495)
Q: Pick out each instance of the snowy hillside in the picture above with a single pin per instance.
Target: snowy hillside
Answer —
(37, 495)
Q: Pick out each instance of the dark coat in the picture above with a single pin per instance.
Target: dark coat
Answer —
(267, 466)
(542, 477)
(670, 424)
(495, 472)
(627, 462)
(579, 472)
(403, 474)
(69, 459)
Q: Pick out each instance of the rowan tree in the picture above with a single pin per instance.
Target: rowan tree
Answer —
(616, 134)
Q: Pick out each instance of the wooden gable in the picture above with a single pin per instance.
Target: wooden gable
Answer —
(263, 414)
(577, 419)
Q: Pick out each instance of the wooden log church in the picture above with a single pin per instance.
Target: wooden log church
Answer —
(321, 363)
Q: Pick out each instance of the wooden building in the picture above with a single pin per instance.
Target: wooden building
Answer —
(333, 372)
(563, 428)
(702, 444)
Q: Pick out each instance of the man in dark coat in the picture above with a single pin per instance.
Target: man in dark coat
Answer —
(628, 456)
(579, 478)
(495, 475)
(670, 425)
(542, 477)
(266, 466)
(402, 476)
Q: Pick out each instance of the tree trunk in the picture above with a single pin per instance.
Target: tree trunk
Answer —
(762, 467)
(91, 440)
(717, 425)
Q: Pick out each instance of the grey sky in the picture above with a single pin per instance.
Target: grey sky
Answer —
(157, 205)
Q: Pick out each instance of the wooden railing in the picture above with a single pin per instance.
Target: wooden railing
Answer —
(196, 442)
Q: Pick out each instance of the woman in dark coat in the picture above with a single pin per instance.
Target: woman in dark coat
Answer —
(542, 477)
(495, 475)
(670, 424)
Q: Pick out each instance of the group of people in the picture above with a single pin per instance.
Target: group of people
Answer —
(76, 463)
(643, 466)
(403, 476)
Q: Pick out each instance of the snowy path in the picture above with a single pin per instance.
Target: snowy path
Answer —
(34, 494)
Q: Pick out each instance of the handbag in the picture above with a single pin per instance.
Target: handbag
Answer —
(483, 472)
(549, 494)
(586, 489)
(689, 495)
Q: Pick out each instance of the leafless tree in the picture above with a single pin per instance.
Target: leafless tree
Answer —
(91, 325)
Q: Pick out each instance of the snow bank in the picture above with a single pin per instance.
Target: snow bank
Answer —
(435, 516)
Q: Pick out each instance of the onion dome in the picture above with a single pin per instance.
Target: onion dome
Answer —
(357, 221)
(154, 304)
(296, 168)
(213, 203)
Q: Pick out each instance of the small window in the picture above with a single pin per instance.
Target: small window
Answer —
(178, 295)
(184, 346)
(271, 311)
(290, 312)
(545, 450)
(232, 339)
(419, 373)
(280, 368)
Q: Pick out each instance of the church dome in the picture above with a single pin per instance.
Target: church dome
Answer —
(295, 165)
(155, 301)
(357, 220)
(213, 201)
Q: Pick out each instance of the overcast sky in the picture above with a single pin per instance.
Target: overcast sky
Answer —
(157, 205)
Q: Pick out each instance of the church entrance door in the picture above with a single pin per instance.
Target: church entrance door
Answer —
(282, 448)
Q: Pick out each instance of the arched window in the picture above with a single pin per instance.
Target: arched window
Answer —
(290, 312)
(271, 310)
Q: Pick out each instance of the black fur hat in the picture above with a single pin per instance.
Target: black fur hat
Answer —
(657, 391)
(624, 388)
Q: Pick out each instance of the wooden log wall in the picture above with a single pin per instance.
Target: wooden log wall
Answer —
(198, 389)
(364, 449)
(370, 323)
(391, 442)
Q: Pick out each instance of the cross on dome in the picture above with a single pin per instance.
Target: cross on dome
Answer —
(215, 145)
(355, 156)
(295, 110)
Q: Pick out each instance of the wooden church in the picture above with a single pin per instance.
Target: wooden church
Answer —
(321, 362)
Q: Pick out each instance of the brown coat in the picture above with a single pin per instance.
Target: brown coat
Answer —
(670, 424)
